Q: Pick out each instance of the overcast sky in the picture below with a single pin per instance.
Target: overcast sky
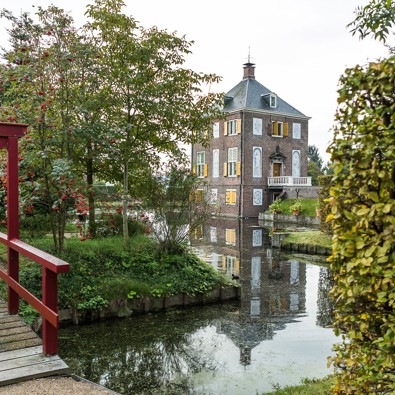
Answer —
(300, 47)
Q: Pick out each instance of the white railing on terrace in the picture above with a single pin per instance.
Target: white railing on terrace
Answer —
(289, 181)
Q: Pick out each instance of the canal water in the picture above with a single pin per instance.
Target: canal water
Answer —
(276, 334)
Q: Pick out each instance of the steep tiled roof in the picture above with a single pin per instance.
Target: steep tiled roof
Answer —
(250, 94)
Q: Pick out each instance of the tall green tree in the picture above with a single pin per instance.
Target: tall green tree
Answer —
(153, 102)
(314, 165)
(40, 88)
(180, 205)
(375, 19)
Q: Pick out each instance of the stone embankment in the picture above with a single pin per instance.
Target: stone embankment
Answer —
(128, 307)
(289, 224)
(306, 249)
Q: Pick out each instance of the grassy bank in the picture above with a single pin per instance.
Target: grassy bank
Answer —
(308, 206)
(315, 238)
(309, 387)
(102, 270)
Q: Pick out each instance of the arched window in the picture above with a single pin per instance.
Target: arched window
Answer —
(295, 163)
(257, 162)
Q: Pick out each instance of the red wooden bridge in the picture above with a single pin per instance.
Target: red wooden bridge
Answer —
(26, 359)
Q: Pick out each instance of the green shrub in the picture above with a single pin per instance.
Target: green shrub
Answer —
(34, 226)
(276, 207)
(363, 214)
(307, 206)
(324, 206)
(103, 269)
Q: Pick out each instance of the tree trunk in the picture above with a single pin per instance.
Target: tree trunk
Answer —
(125, 204)
(91, 198)
(51, 215)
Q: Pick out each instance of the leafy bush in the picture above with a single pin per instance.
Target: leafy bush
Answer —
(103, 269)
(323, 203)
(363, 214)
(276, 207)
(297, 206)
(33, 226)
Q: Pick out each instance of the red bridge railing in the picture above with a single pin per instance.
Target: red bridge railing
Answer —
(51, 266)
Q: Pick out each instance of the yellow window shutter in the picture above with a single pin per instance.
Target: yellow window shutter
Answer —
(194, 170)
(285, 125)
(225, 169)
(275, 128)
(192, 197)
(224, 263)
(238, 168)
(205, 134)
(199, 232)
(199, 196)
(238, 126)
(227, 197)
(233, 200)
(225, 128)
(237, 264)
(205, 170)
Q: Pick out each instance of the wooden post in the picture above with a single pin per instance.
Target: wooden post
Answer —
(50, 299)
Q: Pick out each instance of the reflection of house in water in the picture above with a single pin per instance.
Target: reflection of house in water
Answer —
(272, 289)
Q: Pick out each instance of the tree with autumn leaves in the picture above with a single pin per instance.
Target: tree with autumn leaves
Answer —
(104, 102)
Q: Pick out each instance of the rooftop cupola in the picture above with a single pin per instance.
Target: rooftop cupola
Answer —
(249, 71)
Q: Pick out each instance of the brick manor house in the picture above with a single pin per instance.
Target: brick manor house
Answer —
(256, 153)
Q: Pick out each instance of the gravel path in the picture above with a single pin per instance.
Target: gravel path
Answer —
(55, 386)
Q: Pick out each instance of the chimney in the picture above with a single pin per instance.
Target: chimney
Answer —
(249, 71)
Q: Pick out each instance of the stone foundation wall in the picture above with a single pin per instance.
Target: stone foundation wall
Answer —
(304, 192)
(127, 307)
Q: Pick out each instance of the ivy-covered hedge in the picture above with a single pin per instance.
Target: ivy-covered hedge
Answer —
(363, 217)
(324, 183)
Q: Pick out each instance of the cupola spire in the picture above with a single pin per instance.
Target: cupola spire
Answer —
(249, 68)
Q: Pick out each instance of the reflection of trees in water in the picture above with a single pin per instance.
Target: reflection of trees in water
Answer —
(158, 360)
(325, 302)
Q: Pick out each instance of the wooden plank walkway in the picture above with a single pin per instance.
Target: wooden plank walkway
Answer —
(21, 352)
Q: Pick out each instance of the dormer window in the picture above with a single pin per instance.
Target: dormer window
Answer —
(273, 100)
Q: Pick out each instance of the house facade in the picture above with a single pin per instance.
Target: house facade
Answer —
(256, 152)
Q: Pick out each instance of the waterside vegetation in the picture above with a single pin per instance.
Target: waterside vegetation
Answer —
(306, 206)
(308, 387)
(314, 238)
(103, 270)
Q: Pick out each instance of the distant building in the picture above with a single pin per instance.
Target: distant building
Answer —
(256, 152)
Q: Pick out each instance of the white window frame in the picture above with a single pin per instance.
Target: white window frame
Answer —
(255, 272)
(200, 162)
(257, 197)
(230, 264)
(296, 171)
(213, 234)
(215, 163)
(273, 100)
(254, 173)
(296, 130)
(232, 127)
(232, 161)
(257, 237)
(214, 196)
(216, 130)
(257, 126)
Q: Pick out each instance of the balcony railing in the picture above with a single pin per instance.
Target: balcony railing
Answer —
(289, 181)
